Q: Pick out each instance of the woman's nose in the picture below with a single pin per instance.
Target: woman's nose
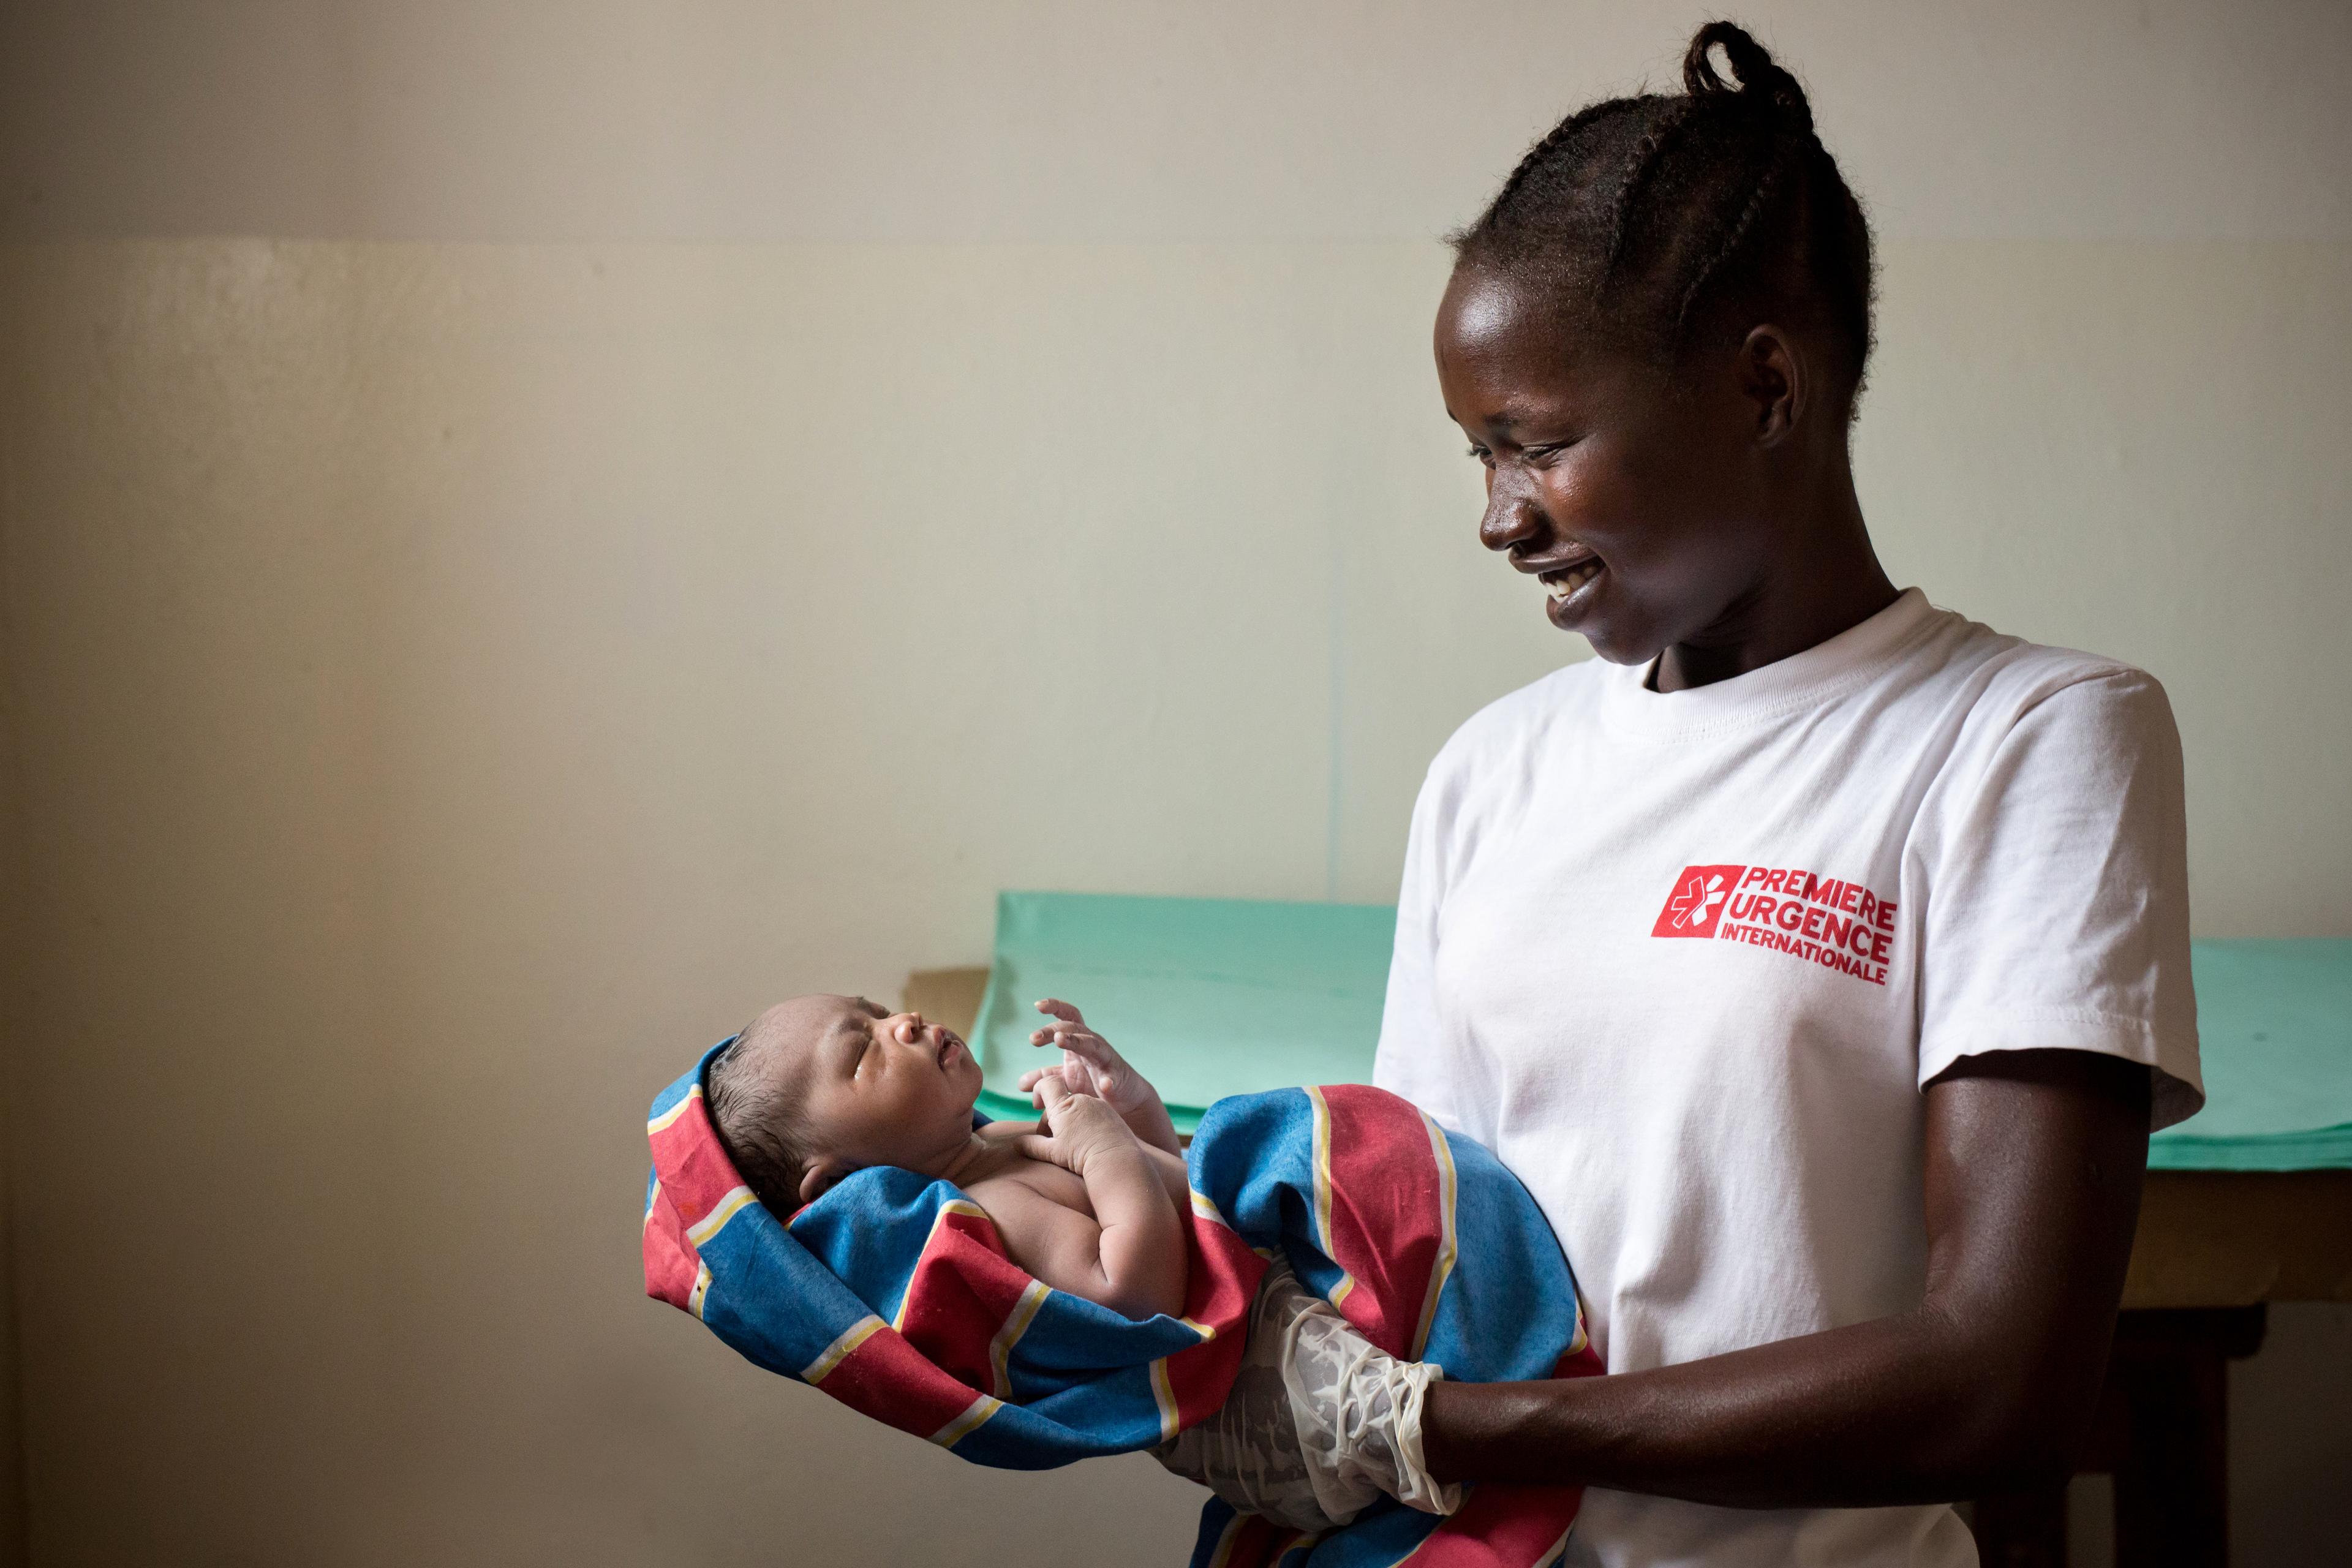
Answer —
(1512, 518)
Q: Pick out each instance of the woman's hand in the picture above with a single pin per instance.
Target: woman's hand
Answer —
(2033, 1168)
(1091, 1065)
(1320, 1424)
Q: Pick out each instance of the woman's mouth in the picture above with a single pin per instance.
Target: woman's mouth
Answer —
(1568, 583)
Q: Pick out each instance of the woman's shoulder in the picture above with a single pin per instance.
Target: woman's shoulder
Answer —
(2003, 680)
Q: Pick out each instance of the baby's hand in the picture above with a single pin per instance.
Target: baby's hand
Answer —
(1089, 1065)
(1083, 1128)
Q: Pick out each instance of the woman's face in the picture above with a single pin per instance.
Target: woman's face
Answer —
(1639, 505)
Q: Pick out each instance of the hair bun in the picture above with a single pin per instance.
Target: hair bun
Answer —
(1760, 79)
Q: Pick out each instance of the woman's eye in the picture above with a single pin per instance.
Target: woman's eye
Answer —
(1482, 456)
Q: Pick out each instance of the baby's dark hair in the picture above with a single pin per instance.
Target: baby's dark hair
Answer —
(758, 1125)
(1665, 220)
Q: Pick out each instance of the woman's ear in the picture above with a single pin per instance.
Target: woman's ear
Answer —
(1772, 376)
(819, 1178)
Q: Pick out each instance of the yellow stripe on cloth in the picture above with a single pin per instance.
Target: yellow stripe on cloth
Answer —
(953, 1205)
(1163, 1394)
(1440, 1270)
(1000, 1349)
(1323, 1193)
(737, 1200)
(1224, 1555)
(674, 1112)
(857, 1334)
(701, 1291)
(962, 1426)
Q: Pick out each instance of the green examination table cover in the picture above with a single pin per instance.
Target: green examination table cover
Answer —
(1215, 996)
(2274, 1027)
(1206, 996)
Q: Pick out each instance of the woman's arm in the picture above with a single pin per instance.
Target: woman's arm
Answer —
(2034, 1161)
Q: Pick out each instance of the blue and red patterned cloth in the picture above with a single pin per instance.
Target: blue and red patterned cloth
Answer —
(893, 1294)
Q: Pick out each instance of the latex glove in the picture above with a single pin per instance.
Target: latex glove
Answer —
(1320, 1423)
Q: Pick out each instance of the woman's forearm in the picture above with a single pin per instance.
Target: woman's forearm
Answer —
(2033, 1166)
(1904, 1409)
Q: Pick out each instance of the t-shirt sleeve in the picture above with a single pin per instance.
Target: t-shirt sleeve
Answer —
(2056, 909)
(1407, 1061)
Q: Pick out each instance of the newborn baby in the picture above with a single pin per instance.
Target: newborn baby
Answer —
(1274, 1398)
(1090, 1200)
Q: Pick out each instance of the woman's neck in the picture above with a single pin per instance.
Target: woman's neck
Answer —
(1826, 580)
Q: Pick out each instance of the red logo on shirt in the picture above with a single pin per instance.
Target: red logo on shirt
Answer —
(1699, 895)
(1838, 925)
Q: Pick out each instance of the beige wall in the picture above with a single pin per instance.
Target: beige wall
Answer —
(522, 538)
(1152, 119)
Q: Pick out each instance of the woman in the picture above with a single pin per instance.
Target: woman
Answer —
(1816, 957)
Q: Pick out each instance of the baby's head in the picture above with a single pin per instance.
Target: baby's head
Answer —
(821, 1086)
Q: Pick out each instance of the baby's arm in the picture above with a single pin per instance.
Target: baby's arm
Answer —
(1089, 1065)
(1130, 1256)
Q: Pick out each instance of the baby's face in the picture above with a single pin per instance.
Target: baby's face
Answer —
(874, 1088)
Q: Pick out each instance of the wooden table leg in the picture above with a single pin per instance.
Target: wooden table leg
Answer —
(2168, 1389)
(2162, 1432)
(2022, 1530)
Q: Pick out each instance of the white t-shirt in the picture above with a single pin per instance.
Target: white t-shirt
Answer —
(1685, 960)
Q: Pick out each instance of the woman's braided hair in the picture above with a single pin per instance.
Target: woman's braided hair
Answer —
(1663, 219)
